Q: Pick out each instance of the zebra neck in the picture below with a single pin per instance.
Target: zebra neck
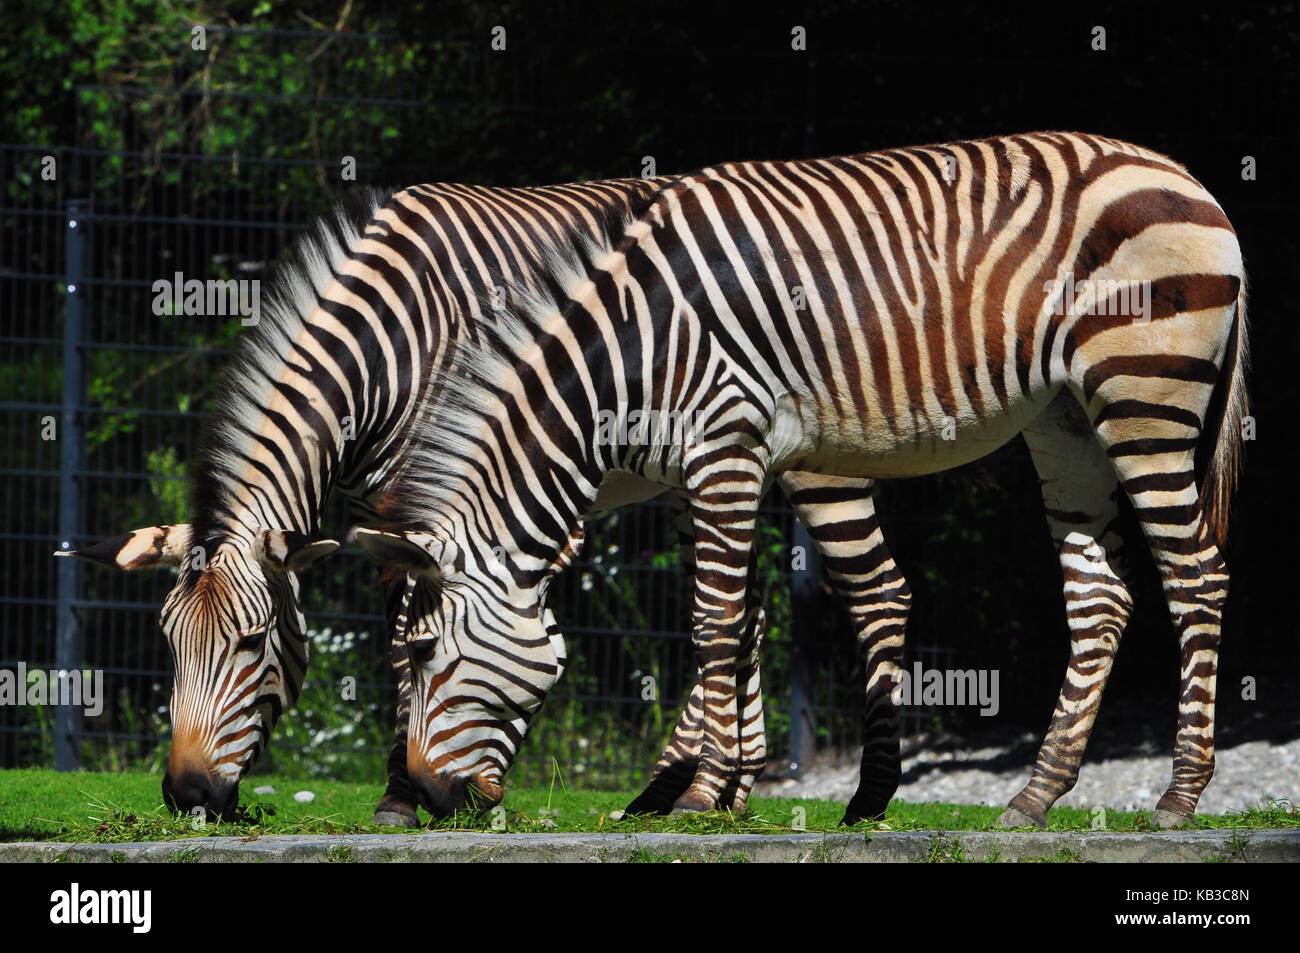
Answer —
(367, 461)
(277, 468)
(297, 396)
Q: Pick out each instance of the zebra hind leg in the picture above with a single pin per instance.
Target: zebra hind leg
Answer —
(1079, 495)
(1149, 412)
(1195, 583)
(1196, 587)
(1097, 606)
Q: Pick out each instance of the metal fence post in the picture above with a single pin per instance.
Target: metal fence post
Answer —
(70, 650)
(803, 738)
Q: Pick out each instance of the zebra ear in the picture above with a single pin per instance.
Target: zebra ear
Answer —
(154, 547)
(412, 551)
(282, 550)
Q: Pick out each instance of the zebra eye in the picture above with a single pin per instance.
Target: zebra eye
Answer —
(421, 649)
(253, 639)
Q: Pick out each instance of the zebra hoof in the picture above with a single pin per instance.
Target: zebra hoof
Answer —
(855, 817)
(737, 805)
(692, 804)
(652, 801)
(862, 811)
(664, 789)
(390, 817)
(1014, 817)
(1165, 819)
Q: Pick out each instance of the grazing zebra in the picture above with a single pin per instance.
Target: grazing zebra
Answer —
(319, 397)
(880, 315)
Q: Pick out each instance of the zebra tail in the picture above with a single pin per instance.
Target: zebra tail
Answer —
(1223, 470)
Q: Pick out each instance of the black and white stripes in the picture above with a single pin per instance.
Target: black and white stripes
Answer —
(880, 315)
(319, 398)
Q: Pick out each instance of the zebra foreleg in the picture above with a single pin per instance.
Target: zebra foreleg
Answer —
(725, 494)
(749, 701)
(677, 765)
(840, 516)
(872, 585)
(679, 762)
(397, 806)
(681, 758)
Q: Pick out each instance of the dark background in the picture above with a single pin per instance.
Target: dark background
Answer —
(212, 159)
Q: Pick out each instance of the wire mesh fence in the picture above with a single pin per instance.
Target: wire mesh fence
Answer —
(105, 402)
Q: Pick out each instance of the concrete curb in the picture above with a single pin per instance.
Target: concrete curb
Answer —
(1251, 846)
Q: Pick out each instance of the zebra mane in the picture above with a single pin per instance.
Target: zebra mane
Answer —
(262, 352)
(448, 428)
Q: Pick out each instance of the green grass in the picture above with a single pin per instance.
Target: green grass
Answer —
(119, 808)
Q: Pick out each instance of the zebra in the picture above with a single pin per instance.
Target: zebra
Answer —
(319, 398)
(879, 315)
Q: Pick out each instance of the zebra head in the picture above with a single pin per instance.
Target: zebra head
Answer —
(238, 644)
(484, 653)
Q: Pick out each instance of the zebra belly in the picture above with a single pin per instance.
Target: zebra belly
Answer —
(915, 447)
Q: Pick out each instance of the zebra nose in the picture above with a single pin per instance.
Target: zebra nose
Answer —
(443, 794)
(191, 790)
(186, 791)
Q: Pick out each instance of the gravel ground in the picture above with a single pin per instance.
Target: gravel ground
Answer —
(947, 770)
(1127, 765)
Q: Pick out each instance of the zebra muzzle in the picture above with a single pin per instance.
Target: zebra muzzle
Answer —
(192, 791)
(443, 794)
